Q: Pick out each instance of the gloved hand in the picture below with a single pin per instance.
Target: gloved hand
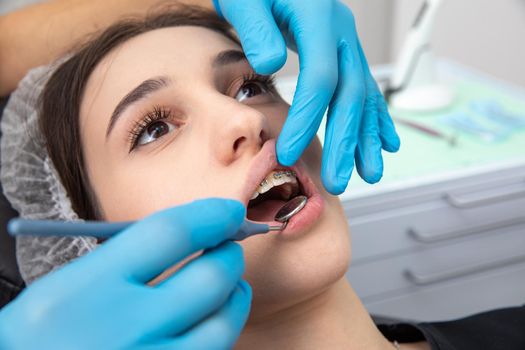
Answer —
(334, 73)
(101, 300)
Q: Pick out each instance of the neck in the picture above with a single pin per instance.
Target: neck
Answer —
(334, 319)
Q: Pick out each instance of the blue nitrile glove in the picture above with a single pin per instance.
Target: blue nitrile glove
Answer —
(101, 300)
(334, 72)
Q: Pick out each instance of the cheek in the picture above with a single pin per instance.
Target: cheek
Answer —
(135, 188)
(139, 188)
(276, 116)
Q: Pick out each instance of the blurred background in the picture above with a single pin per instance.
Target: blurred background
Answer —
(483, 34)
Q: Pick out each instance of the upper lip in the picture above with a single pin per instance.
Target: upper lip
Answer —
(265, 162)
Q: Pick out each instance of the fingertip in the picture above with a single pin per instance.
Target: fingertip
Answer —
(236, 212)
(335, 187)
(261, 39)
(374, 177)
(387, 131)
(371, 173)
(214, 215)
(285, 159)
(234, 256)
(392, 144)
(335, 183)
(369, 160)
(285, 153)
(235, 248)
(266, 63)
(236, 208)
(390, 140)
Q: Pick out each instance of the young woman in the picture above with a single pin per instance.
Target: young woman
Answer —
(159, 112)
(144, 126)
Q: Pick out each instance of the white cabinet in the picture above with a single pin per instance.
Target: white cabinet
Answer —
(443, 250)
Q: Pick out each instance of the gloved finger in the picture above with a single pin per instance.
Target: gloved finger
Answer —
(315, 87)
(387, 130)
(219, 331)
(191, 294)
(153, 244)
(260, 36)
(369, 161)
(344, 119)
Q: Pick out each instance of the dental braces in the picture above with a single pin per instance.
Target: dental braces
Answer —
(277, 175)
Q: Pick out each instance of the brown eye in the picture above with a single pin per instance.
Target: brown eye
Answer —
(249, 90)
(155, 131)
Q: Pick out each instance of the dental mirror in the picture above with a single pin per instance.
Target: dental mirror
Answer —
(288, 210)
(291, 208)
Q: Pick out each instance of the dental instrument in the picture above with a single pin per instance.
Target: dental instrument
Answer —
(467, 123)
(451, 140)
(413, 86)
(100, 229)
(495, 112)
(292, 207)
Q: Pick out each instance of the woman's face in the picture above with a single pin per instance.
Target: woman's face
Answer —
(177, 114)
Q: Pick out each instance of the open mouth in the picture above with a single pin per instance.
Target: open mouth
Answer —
(269, 186)
(277, 188)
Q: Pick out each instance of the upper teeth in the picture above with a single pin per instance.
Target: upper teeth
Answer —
(275, 178)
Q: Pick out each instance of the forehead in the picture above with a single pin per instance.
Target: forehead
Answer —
(180, 52)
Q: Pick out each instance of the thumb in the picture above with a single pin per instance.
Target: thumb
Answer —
(260, 36)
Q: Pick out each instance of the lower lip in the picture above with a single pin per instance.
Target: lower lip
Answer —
(305, 219)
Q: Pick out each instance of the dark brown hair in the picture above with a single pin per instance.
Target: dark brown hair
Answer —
(61, 98)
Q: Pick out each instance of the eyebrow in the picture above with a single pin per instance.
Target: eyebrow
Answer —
(228, 57)
(152, 85)
(141, 91)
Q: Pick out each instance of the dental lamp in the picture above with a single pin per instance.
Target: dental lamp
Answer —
(413, 86)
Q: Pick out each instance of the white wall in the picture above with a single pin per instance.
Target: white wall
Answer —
(485, 34)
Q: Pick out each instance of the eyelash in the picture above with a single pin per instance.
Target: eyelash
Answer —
(158, 113)
(267, 80)
(161, 113)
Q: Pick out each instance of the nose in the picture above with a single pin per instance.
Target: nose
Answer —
(239, 129)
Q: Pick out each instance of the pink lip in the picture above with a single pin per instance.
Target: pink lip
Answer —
(266, 161)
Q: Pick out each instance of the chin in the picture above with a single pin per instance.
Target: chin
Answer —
(285, 272)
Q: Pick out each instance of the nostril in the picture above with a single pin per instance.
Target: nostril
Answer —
(238, 143)
(262, 136)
